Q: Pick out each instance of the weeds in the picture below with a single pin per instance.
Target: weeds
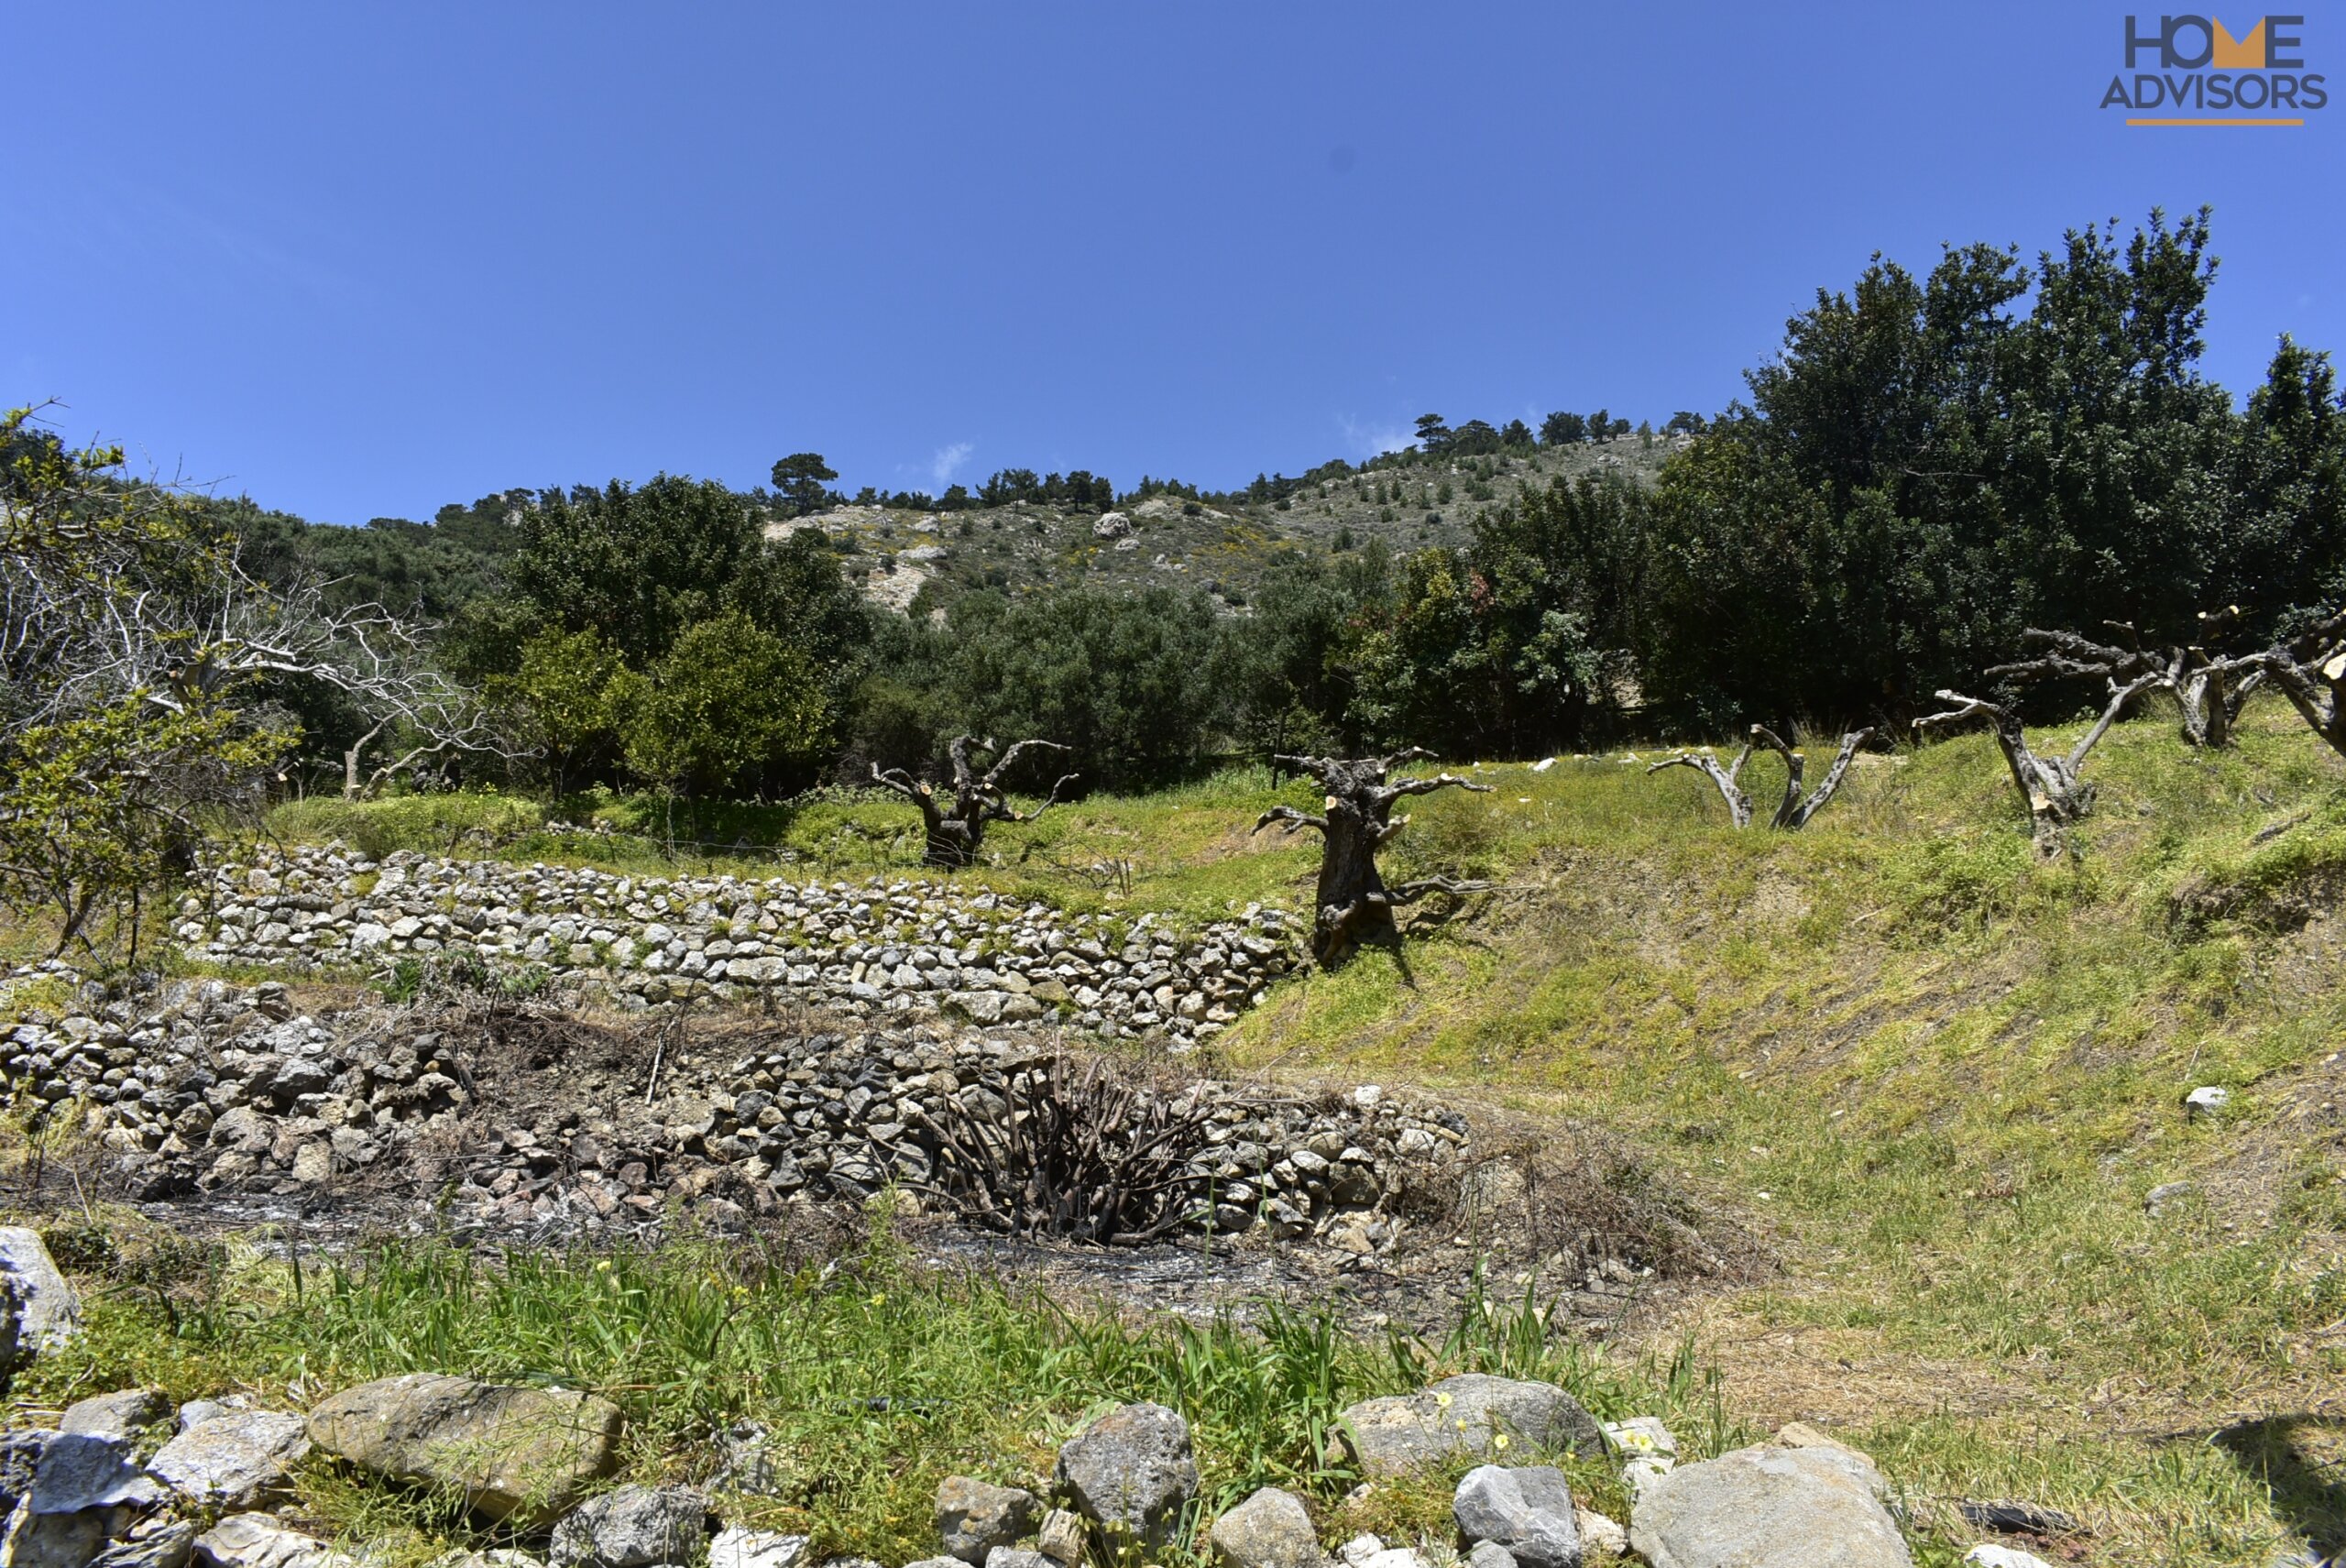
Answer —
(871, 1378)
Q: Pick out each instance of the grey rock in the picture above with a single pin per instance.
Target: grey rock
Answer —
(122, 1415)
(751, 1464)
(79, 1471)
(50, 1312)
(519, 1453)
(20, 1452)
(1460, 1416)
(1016, 1557)
(1528, 1510)
(735, 1547)
(16, 1340)
(1599, 1533)
(1489, 1554)
(2167, 1196)
(60, 1539)
(1269, 1529)
(1062, 1537)
(1396, 1557)
(632, 1527)
(1647, 1449)
(494, 1557)
(1769, 1506)
(155, 1543)
(257, 1540)
(230, 1460)
(1132, 1471)
(973, 1517)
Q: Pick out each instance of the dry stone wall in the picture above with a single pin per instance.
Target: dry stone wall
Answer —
(207, 1087)
(873, 948)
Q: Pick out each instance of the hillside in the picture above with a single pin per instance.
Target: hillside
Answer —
(1220, 544)
(1943, 1083)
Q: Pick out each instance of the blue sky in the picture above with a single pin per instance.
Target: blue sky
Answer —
(363, 259)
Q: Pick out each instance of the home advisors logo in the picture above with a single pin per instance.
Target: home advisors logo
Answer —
(2204, 69)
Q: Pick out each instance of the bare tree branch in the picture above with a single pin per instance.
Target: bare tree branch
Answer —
(955, 831)
(2310, 671)
(1793, 812)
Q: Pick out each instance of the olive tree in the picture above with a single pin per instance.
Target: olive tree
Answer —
(1353, 903)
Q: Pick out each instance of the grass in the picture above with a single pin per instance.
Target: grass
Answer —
(1938, 1075)
(872, 1378)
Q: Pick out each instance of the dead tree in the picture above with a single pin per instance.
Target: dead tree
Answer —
(957, 831)
(2049, 785)
(1353, 904)
(2209, 690)
(1795, 810)
(2310, 670)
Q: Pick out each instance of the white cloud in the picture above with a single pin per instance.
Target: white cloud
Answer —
(947, 458)
(1370, 440)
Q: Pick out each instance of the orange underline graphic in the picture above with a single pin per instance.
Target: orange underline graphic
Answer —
(2215, 121)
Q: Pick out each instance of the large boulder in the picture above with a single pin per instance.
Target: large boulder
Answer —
(1769, 1506)
(48, 1311)
(1528, 1510)
(230, 1459)
(632, 1527)
(521, 1455)
(973, 1518)
(1269, 1529)
(1460, 1416)
(1132, 1471)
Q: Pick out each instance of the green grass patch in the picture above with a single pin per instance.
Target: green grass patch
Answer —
(434, 824)
(874, 1379)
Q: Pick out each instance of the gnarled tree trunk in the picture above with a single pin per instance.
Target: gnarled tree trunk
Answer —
(956, 830)
(1792, 813)
(2310, 670)
(2049, 785)
(1353, 905)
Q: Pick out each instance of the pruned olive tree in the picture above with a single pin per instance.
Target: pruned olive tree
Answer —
(1353, 903)
(1792, 813)
(2209, 689)
(2050, 786)
(956, 828)
(2310, 670)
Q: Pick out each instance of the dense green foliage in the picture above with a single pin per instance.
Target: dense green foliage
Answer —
(1933, 464)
